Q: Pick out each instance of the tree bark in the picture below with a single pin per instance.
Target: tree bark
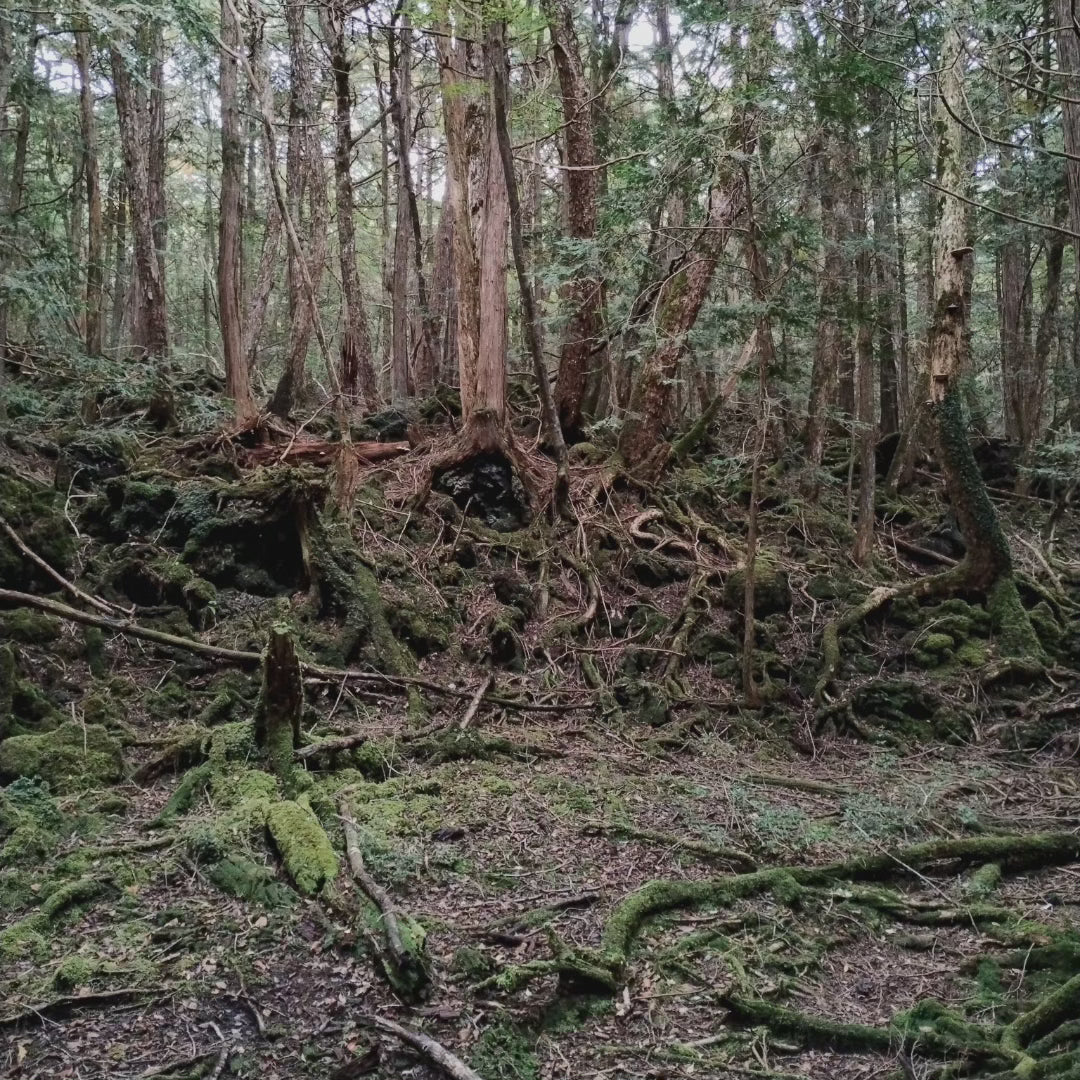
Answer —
(308, 177)
(150, 316)
(92, 178)
(865, 436)
(466, 271)
(400, 61)
(641, 439)
(357, 358)
(582, 358)
(237, 383)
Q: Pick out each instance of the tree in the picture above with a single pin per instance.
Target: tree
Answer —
(150, 315)
(583, 350)
(237, 383)
(92, 175)
(987, 564)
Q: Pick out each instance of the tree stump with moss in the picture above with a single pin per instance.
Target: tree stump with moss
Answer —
(277, 716)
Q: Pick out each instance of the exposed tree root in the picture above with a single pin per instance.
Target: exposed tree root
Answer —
(63, 1006)
(700, 848)
(435, 1052)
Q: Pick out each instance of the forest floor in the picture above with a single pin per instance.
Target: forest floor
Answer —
(155, 926)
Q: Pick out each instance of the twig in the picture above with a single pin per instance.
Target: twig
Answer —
(374, 891)
(329, 746)
(71, 587)
(474, 705)
(435, 1052)
(223, 1057)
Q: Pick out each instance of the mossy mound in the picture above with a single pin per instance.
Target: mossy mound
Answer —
(35, 514)
(305, 849)
(28, 627)
(772, 591)
(30, 822)
(72, 757)
(906, 711)
(151, 581)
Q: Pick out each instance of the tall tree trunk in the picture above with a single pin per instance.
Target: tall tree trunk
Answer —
(1014, 303)
(357, 361)
(903, 341)
(466, 272)
(120, 267)
(987, 565)
(582, 358)
(230, 225)
(865, 429)
(150, 314)
(500, 126)
(400, 61)
(308, 177)
(641, 439)
(885, 271)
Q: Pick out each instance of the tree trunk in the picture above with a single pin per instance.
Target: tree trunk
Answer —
(120, 268)
(582, 358)
(885, 274)
(150, 317)
(308, 177)
(865, 436)
(156, 160)
(400, 60)
(357, 360)
(230, 225)
(466, 273)
(640, 441)
(92, 178)
(1014, 302)
(500, 109)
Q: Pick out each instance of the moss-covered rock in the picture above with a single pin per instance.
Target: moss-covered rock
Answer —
(74, 971)
(30, 822)
(304, 847)
(36, 515)
(28, 627)
(772, 591)
(71, 757)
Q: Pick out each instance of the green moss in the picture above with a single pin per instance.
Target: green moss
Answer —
(71, 757)
(1013, 630)
(29, 627)
(937, 644)
(472, 963)
(772, 592)
(972, 654)
(305, 848)
(35, 514)
(73, 972)
(241, 877)
(25, 939)
(232, 743)
(192, 784)
(505, 1051)
(73, 894)
(96, 658)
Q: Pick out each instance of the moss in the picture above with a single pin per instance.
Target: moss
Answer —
(772, 592)
(505, 1051)
(984, 881)
(305, 848)
(472, 963)
(71, 757)
(192, 784)
(231, 743)
(34, 513)
(29, 627)
(73, 972)
(96, 658)
(243, 878)
(72, 894)
(1013, 630)
(25, 939)
(972, 654)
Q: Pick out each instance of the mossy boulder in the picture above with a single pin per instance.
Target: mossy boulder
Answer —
(28, 627)
(71, 757)
(304, 847)
(36, 515)
(772, 591)
(30, 822)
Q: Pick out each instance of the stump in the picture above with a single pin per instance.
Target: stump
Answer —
(277, 716)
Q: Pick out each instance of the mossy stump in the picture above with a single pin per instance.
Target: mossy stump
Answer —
(277, 715)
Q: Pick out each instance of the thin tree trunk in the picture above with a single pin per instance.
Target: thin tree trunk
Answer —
(150, 317)
(582, 358)
(865, 428)
(357, 361)
(120, 268)
(230, 224)
(640, 441)
(399, 73)
(885, 273)
(501, 108)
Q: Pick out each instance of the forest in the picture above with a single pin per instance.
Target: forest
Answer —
(538, 541)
